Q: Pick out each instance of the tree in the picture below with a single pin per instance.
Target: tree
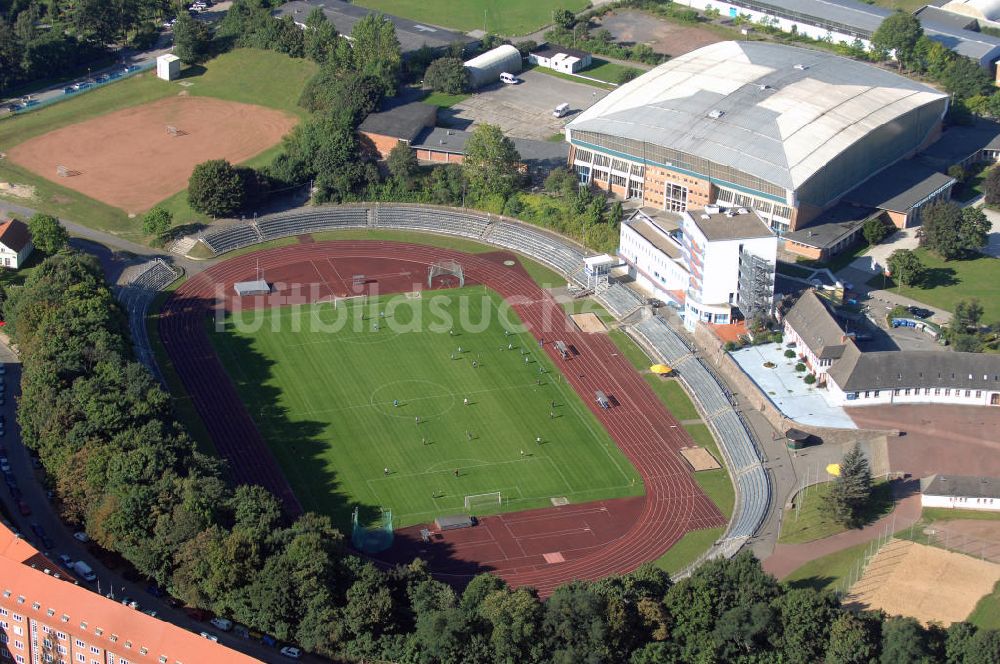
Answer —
(958, 172)
(491, 164)
(47, 234)
(447, 75)
(564, 18)
(192, 39)
(320, 36)
(402, 163)
(974, 231)
(964, 78)
(854, 639)
(898, 33)
(991, 187)
(903, 640)
(852, 489)
(804, 616)
(216, 188)
(875, 230)
(376, 50)
(156, 222)
(905, 267)
(967, 314)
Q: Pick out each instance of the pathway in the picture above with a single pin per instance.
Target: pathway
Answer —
(787, 558)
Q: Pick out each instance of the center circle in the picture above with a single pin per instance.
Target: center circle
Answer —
(416, 398)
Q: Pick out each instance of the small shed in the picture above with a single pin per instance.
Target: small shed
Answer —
(487, 67)
(168, 67)
(454, 522)
(256, 287)
(560, 58)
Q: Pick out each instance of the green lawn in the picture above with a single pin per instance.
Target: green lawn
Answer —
(951, 281)
(249, 76)
(511, 18)
(630, 349)
(715, 483)
(813, 523)
(443, 99)
(986, 615)
(334, 435)
(687, 549)
(908, 6)
(828, 572)
(575, 79)
(673, 395)
(607, 71)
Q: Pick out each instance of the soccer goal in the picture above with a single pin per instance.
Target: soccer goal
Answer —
(445, 268)
(483, 499)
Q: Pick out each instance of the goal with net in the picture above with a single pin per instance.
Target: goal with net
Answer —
(483, 500)
(444, 269)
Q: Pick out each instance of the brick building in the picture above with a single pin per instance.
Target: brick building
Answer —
(45, 618)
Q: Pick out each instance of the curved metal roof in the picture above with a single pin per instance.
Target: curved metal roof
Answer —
(777, 112)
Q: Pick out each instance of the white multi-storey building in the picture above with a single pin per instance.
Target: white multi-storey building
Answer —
(707, 263)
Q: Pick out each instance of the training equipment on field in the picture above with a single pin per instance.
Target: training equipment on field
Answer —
(445, 268)
(374, 539)
(491, 498)
(173, 131)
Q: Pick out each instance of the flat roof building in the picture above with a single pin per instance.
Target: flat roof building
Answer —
(782, 130)
(961, 492)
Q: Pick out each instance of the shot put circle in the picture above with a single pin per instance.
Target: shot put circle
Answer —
(509, 263)
(417, 398)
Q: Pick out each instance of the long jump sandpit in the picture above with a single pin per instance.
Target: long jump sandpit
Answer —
(130, 160)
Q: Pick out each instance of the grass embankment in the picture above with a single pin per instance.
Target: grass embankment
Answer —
(828, 572)
(333, 437)
(248, 76)
(811, 521)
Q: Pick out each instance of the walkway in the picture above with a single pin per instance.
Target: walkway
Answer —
(789, 557)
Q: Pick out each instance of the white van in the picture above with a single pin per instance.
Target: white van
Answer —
(560, 110)
(509, 79)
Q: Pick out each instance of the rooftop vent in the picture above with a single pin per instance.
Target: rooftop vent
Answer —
(715, 114)
(764, 87)
(801, 67)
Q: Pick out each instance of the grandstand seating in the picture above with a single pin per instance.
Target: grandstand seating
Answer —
(308, 220)
(433, 220)
(231, 237)
(619, 300)
(666, 342)
(135, 297)
(541, 246)
(754, 492)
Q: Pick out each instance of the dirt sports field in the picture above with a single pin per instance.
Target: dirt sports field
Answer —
(636, 27)
(542, 548)
(928, 583)
(128, 160)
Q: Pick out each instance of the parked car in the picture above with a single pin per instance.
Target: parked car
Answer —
(66, 559)
(3, 368)
(222, 623)
(291, 652)
(210, 636)
(4, 465)
(81, 536)
(38, 530)
(921, 312)
(150, 612)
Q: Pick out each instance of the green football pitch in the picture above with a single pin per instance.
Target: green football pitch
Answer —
(343, 394)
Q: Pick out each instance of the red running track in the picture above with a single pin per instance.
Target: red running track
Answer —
(641, 426)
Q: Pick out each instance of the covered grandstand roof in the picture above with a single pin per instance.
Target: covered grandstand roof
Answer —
(778, 112)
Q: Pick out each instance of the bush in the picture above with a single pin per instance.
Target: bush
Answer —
(809, 379)
(216, 188)
(729, 346)
(800, 366)
(789, 353)
(447, 75)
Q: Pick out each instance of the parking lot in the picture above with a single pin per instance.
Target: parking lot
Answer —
(523, 110)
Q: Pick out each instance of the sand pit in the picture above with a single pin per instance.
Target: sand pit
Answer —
(928, 583)
(699, 458)
(128, 159)
(588, 322)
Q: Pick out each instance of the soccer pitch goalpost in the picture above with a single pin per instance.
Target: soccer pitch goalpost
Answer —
(484, 499)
